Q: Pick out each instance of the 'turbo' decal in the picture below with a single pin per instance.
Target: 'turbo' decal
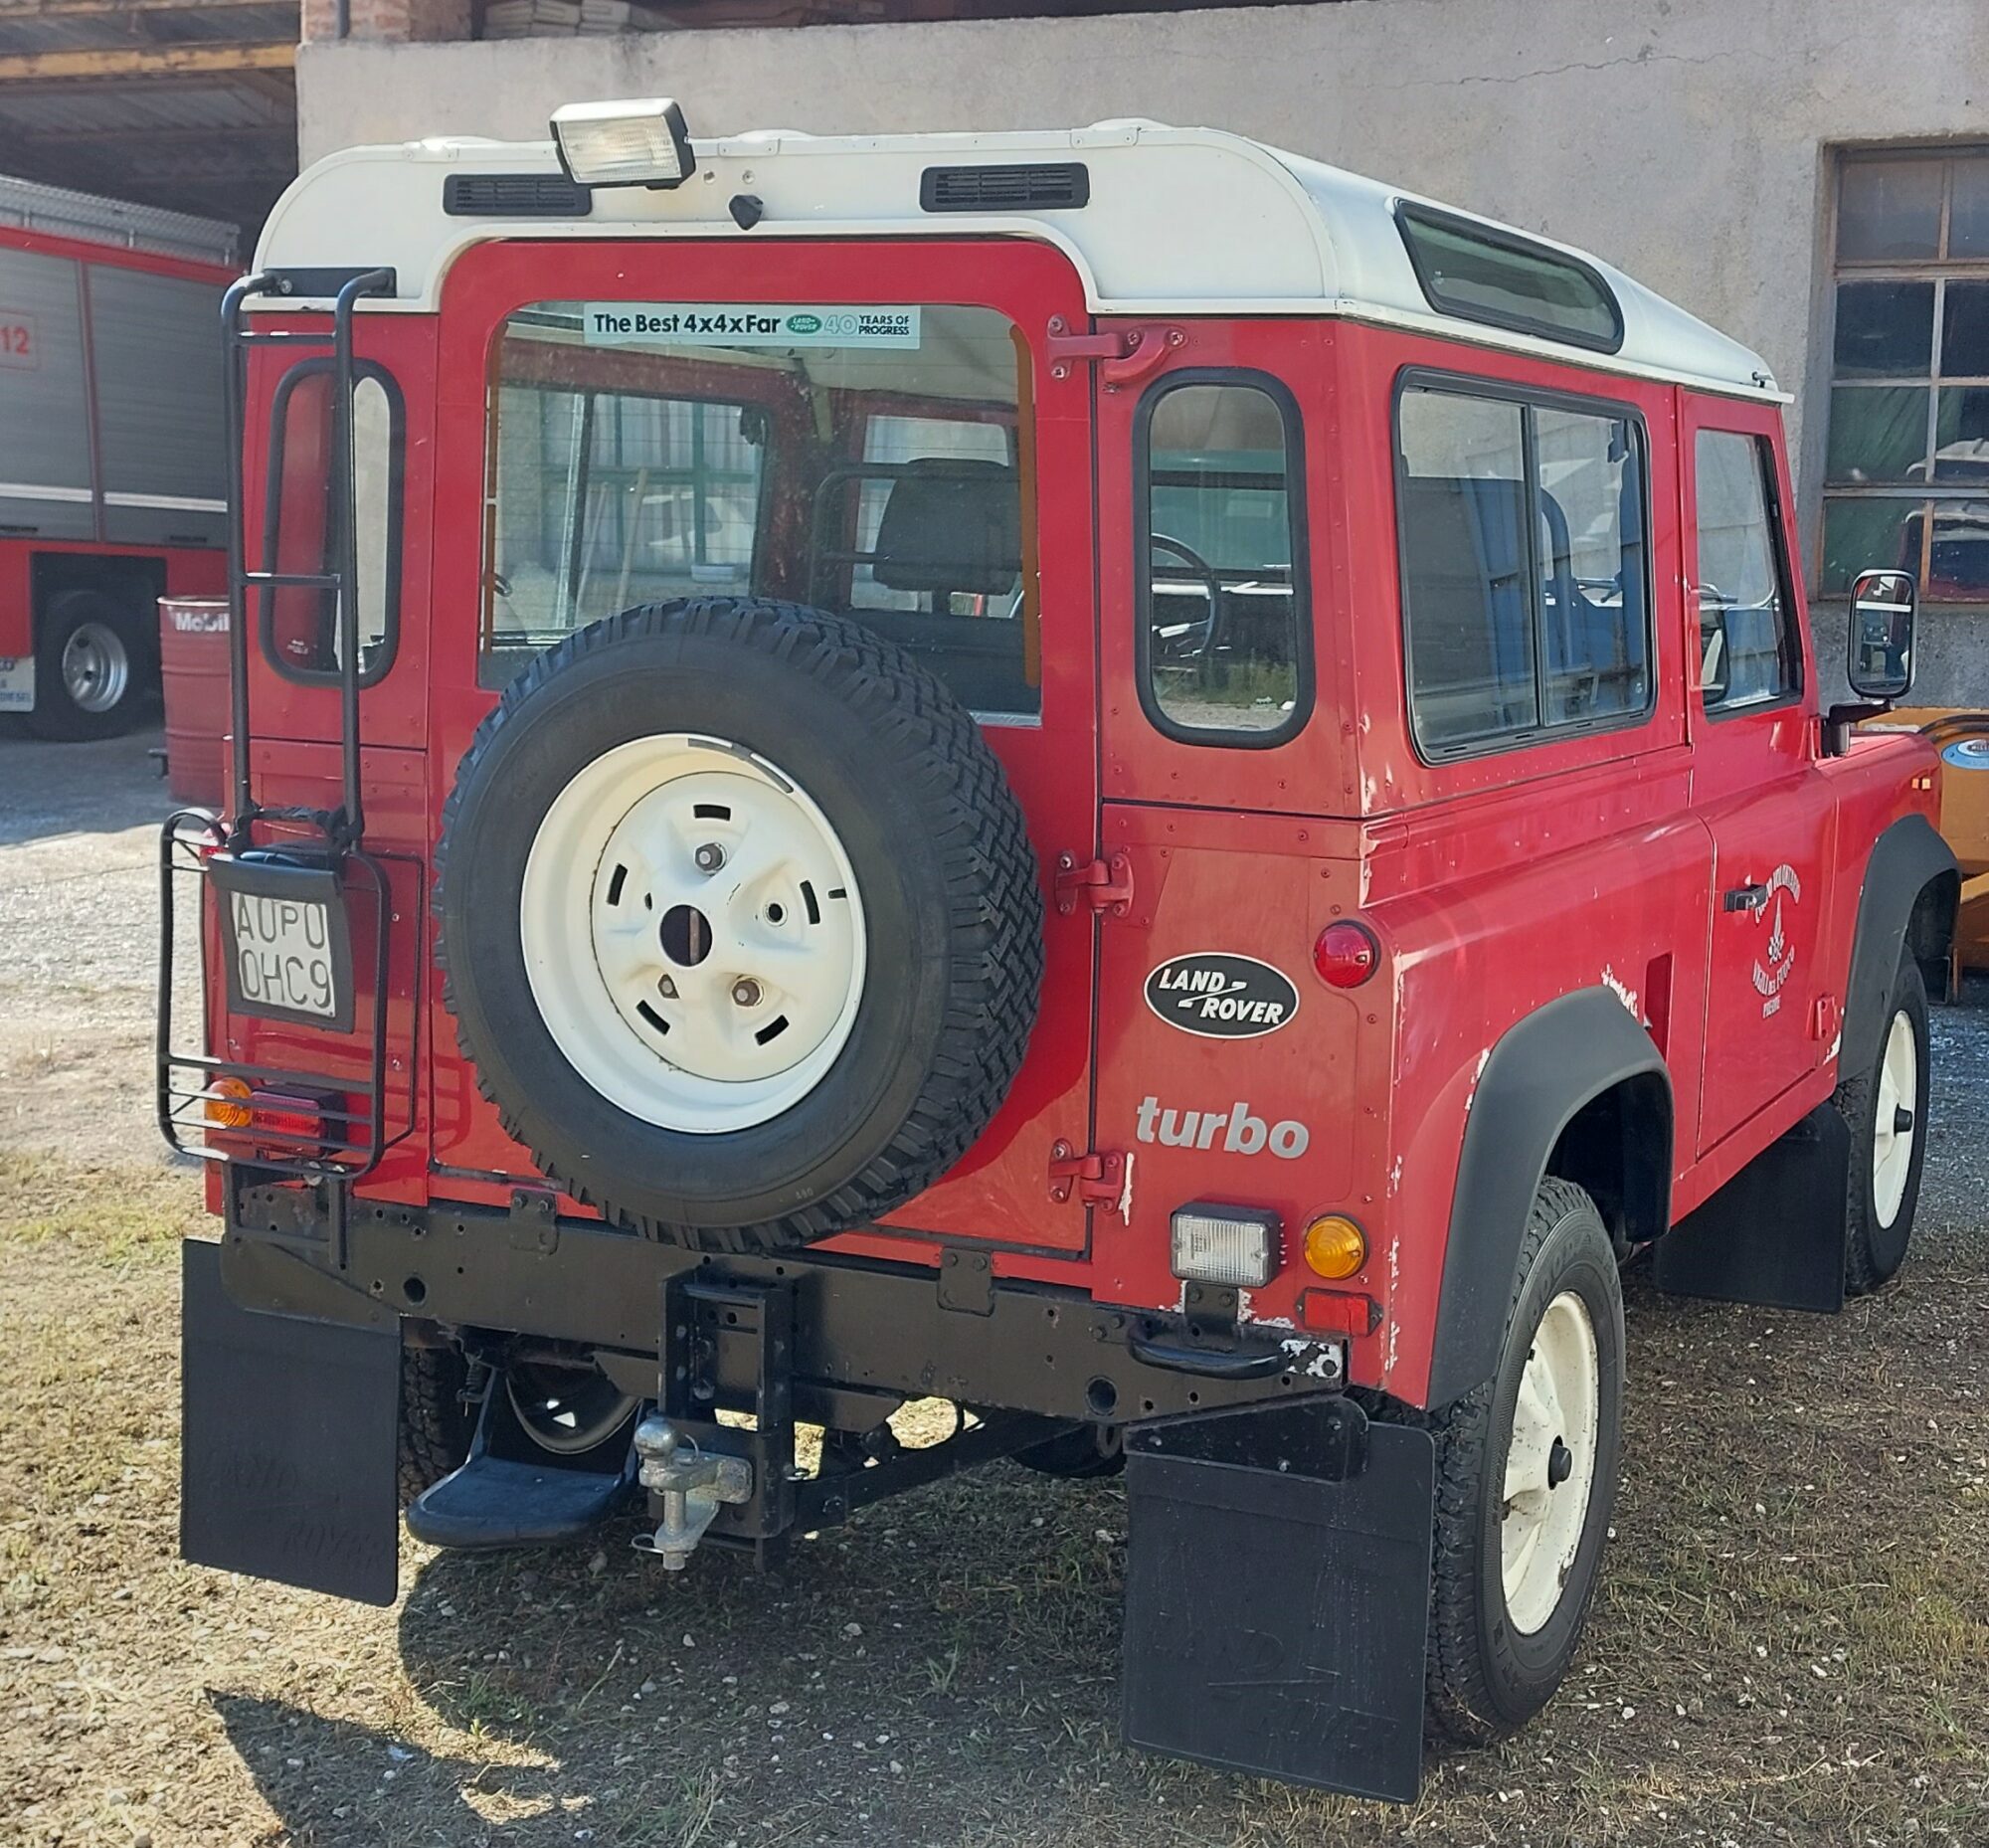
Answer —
(1221, 997)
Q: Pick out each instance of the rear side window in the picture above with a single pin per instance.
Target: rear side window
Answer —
(299, 528)
(1749, 654)
(1223, 623)
(1524, 583)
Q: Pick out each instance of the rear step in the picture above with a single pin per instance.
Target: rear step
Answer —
(510, 1493)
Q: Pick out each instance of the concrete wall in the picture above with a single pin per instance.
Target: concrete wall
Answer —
(1683, 139)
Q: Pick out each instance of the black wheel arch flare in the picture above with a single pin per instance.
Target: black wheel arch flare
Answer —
(1542, 1072)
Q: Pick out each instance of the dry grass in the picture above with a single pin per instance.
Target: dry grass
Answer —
(1793, 1646)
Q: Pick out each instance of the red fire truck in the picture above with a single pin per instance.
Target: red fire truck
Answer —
(1110, 776)
(110, 421)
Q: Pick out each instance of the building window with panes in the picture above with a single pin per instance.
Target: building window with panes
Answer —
(1907, 481)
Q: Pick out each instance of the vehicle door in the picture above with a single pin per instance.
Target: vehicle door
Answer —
(653, 420)
(1755, 781)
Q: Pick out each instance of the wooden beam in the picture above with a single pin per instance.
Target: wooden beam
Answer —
(145, 60)
(15, 10)
(258, 135)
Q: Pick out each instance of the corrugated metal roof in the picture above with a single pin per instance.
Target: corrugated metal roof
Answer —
(60, 212)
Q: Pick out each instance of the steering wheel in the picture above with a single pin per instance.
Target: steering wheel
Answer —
(1200, 637)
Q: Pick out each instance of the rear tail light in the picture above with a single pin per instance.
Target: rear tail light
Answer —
(1229, 1245)
(1335, 1247)
(1346, 955)
(226, 1105)
(291, 1119)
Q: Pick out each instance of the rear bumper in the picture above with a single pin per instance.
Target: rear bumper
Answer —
(860, 1327)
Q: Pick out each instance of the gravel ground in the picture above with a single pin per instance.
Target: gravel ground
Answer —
(78, 945)
(1792, 1645)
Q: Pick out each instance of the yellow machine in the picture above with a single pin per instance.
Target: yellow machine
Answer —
(1963, 739)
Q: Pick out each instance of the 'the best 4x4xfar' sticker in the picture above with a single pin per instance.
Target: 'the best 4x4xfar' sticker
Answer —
(747, 324)
(1221, 997)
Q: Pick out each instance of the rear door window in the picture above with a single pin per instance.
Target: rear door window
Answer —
(872, 462)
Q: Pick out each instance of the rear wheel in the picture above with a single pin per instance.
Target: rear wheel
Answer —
(436, 1425)
(1885, 1107)
(91, 674)
(1527, 1471)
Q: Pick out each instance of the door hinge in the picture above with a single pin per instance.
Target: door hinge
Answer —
(1102, 884)
(1122, 354)
(1825, 1019)
(1098, 1178)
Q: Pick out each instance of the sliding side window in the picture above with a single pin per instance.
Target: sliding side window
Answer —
(1524, 579)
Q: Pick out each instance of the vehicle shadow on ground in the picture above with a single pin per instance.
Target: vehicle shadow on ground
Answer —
(330, 1779)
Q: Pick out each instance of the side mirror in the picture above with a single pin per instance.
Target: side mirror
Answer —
(1881, 640)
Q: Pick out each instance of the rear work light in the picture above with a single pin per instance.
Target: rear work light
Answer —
(642, 142)
(1231, 1246)
(1346, 955)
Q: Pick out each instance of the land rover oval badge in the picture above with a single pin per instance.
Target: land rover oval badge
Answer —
(1221, 997)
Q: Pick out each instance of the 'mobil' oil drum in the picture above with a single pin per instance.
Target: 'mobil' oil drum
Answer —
(193, 671)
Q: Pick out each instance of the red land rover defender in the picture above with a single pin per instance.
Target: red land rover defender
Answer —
(1110, 776)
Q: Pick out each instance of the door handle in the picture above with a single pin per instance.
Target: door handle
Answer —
(1746, 898)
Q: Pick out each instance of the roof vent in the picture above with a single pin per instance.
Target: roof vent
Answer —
(1044, 187)
(515, 195)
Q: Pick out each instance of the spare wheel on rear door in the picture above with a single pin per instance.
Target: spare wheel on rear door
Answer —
(740, 923)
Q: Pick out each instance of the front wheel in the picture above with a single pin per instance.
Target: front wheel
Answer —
(1527, 1471)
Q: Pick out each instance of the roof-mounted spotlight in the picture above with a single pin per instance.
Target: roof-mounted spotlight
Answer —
(639, 142)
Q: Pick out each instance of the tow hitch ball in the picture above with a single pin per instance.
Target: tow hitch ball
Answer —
(690, 1486)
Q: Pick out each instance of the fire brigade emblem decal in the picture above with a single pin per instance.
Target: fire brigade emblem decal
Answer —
(1221, 997)
(1777, 958)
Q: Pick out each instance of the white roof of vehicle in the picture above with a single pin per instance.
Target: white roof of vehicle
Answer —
(1179, 221)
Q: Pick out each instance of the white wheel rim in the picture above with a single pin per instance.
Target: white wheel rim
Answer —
(1898, 1119)
(692, 933)
(95, 667)
(1549, 1463)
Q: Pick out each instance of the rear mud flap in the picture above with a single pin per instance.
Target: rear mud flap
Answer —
(287, 1434)
(1277, 1594)
(1773, 1236)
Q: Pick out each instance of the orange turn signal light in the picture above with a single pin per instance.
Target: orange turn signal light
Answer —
(228, 1103)
(1334, 1247)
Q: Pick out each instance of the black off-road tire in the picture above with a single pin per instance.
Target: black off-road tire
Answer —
(1484, 1679)
(1873, 1249)
(436, 1425)
(1084, 1455)
(949, 880)
(55, 714)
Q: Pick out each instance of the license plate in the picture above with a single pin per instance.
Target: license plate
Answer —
(17, 683)
(284, 938)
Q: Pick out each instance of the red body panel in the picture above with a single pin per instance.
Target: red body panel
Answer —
(1494, 885)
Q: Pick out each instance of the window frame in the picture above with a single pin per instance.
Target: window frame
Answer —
(1410, 213)
(273, 507)
(1938, 271)
(1527, 398)
(1778, 546)
(1292, 424)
